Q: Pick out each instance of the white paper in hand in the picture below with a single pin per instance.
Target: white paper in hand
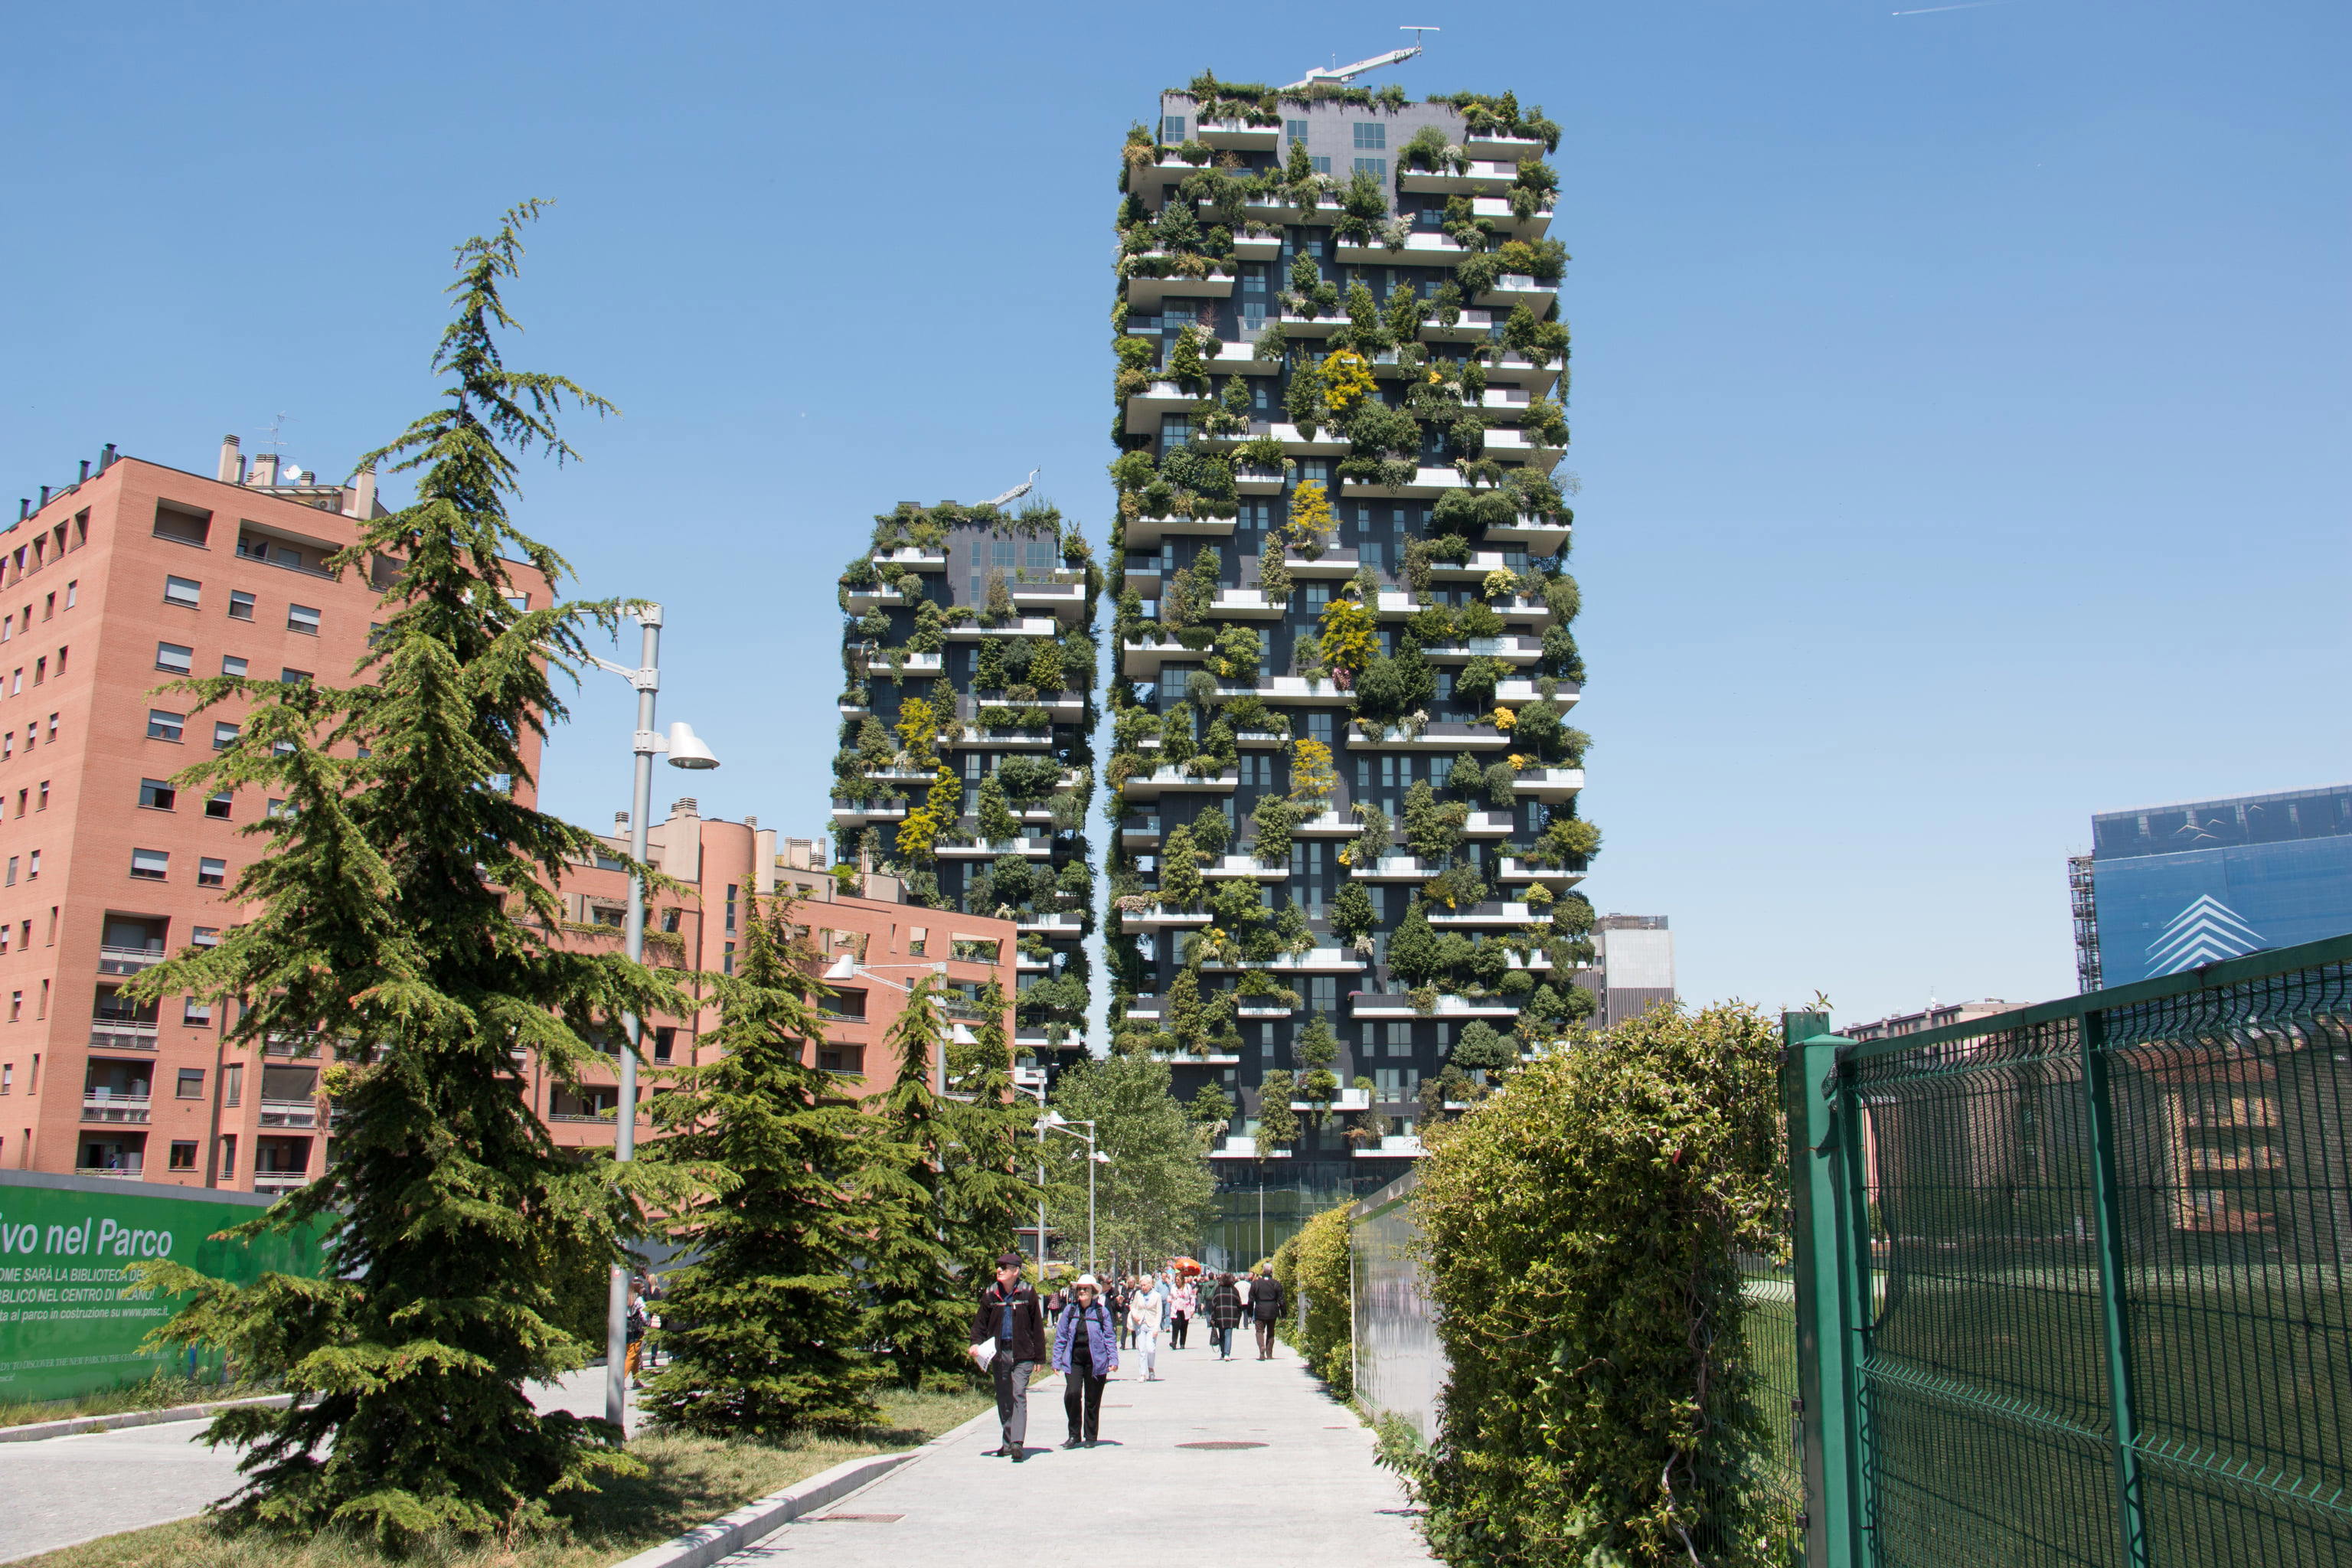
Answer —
(984, 1353)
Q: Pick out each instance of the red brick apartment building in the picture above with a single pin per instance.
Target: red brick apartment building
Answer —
(138, 573)
(869, 947)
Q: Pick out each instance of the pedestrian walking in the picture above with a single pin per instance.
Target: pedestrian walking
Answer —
(1181, 1304)
(1266, 1308)
(1008, 1338)
(1086, 1352)
(633, 1330)
(1143, 1313)
(1225, 1316)
(1116, 1300)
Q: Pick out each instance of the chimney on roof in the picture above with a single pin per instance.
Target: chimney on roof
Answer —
(85, 472)
(24, 508)
(752, 823)
(620, 822)
(265, 471)
(106, 459)
(363, 493)
(232, 465)
(685, 807)
(45, 498)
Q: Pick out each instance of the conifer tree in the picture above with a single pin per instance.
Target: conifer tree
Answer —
(402, 909)
(917, 1307)
(761, 1327)
(992, 1189)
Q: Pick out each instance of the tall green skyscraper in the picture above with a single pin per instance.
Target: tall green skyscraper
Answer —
(1344, 787)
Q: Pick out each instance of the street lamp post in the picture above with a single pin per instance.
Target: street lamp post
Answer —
(685, 752)
(1058, 1122)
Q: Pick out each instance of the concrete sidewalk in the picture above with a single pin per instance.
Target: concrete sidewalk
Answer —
(1303, 1493)
(64, 1490)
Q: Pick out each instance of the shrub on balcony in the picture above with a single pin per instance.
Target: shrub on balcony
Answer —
(1277, 1125)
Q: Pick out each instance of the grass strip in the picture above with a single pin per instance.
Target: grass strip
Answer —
(690, 1480)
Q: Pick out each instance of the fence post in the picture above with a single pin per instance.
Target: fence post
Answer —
(1830, 1454)
(2107, 1197)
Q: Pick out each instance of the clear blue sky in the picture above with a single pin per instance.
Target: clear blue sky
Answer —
(1960, 397)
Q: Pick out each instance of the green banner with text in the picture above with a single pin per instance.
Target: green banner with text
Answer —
(71, 1321)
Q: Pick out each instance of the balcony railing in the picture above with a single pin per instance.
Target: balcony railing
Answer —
(122, 1035)
(289, 1113)
(118, 1172)
(127, 959)
(278, 1181)
(115, 1106)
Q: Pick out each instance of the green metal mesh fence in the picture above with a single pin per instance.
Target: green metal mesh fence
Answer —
(2106, 1280)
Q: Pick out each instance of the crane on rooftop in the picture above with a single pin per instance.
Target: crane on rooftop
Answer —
(1335, 74)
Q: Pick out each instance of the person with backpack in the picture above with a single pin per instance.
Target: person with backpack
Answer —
(1086, 1352)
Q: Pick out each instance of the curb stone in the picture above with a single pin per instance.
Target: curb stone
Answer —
(762, 1517)
(35, 1431)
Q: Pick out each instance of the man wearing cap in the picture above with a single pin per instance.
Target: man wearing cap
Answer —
(1008, 1337)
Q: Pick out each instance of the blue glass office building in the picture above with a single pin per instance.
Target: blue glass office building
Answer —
(2180, 886)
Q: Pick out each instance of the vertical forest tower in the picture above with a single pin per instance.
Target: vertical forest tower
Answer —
(1343, 787)
(965, 767)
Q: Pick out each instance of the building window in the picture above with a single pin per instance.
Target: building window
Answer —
(664, 1043)
(240, 604)
(1378, 168)
(12, 872)
(174, 659)
(231, 665)
(223, 736)
(217, 806)
(33, 866)
(205, 936)
(293, 676)
(211, 873)
(1371, 136)
(183, 1156)
(183, 591)
(229, 1147)
(727, 960)
(731, 908)
(7, 1078)
(149, 864)
(1172, 128)
(15, 1007)
(669, 920)
(53, 730)
(73, 594)
(845, 1060)
(302, 618)
(1320, 165)
(157, 795)
(1294, 130)
(197, 1014)
(191, 1084)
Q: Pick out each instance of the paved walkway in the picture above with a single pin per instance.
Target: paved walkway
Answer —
(64, 1490)
(1305, 1493)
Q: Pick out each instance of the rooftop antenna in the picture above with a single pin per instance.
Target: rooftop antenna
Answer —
(1335, 74)
(275, 425)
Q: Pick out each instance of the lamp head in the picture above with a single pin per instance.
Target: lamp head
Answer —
(687, 750)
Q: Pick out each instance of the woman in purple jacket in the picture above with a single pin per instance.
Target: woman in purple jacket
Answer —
(1086, 1352)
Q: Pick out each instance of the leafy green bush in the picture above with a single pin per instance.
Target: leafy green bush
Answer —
(1318, 1267)
(1582, 1232)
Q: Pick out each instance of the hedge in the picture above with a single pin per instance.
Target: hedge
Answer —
(1583, 1227)
(1318, 1263)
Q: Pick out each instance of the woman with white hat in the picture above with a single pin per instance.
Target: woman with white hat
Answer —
(1086, 1352)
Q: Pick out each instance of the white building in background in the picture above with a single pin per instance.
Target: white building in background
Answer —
(1632, 965)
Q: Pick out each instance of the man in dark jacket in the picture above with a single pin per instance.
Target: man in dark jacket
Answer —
(1266, 1307)
(1009, 1332)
